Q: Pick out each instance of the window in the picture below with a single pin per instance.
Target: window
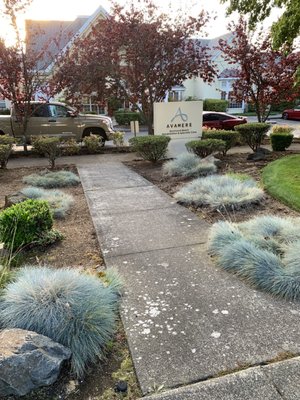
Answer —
(40, 110)
(2, 105)
(58, 111)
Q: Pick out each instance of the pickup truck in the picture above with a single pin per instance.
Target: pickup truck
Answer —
(57, 119)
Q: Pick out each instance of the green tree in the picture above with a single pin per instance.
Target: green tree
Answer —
(287, 27)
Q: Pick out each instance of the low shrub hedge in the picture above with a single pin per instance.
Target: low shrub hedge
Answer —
(125, 117)
(24, 223)
(151, 148)
(215, 105)
(230, 138)
(93, 143)
(253, 133)
(280, 141)
(204, 148)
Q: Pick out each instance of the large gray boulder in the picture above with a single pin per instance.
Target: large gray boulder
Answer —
(28, 360)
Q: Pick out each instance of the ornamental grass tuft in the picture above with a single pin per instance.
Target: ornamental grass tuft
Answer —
(50, 180)
(265, 251)
(220, 192)
(58, 201)
(72, 308)
(188, 165)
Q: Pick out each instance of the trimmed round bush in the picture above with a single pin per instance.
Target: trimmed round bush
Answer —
(264, 251)
(47, 146)
(230, 138)
(52, 179)
(58, 201)
(187, 165)
(24, 223)
(6, 144)
(253, 133)
(204, 148)
(151, 148)
(280, 141)
(76, 310)
(220, 192)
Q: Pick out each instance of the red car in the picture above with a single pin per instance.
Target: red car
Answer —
(221, 120)
(292, 113)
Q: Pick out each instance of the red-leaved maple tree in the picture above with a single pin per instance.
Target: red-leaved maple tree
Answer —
(265, 76)
(22, 71)
(137, 54)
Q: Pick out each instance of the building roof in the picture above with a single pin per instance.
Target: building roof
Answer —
(51, 36)
(56, 36)
(229, 73)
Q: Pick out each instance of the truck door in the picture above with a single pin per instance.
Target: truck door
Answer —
(38, 123)
(62, 123)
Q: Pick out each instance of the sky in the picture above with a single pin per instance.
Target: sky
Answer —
(70, 9)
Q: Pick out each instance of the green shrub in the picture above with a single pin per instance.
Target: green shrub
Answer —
(51, 180)
(6, 111)
(253, 133)
(118, 138)
(124, 117)
(72, 308)
(47, 146)
(204, 148)
(150, 148)
(24, 223)
(6, 143)
(70, 147)
(229, 137)
(280, 141)
(282, 128)
(215, 105)
(93, 143)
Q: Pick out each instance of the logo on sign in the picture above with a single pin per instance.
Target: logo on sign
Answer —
(180, 114)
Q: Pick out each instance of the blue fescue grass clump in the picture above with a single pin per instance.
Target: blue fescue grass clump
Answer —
(265, 251)
(74, 309)
(188, 165)
(51, 180)
(59, 201)
(220, 192)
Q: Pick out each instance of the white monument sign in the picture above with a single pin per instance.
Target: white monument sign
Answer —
(180, 119)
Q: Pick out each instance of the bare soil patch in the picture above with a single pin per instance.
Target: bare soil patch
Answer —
(79, 249)
(236, 163)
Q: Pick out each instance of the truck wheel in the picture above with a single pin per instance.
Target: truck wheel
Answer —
(95, 131)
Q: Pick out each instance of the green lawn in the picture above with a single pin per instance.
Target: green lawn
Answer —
(281, 178)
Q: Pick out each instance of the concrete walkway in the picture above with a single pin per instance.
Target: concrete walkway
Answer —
(186, 321)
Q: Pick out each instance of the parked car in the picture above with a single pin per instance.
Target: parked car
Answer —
(57, 119)
(293, 113)
(221, 120)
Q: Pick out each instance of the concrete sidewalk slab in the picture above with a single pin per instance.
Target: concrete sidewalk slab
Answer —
(108, 176)
(187, 321)
(148, 230)
(285, 376)
(251, 384)
(127, 200)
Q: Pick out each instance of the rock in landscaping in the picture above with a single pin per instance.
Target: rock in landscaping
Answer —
(14, 198)
(259, 155)
(28, 360)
